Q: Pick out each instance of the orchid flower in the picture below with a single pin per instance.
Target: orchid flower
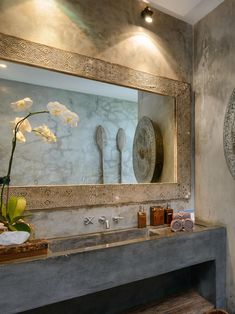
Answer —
(69, 117)
(22, 105)
(55, 108)
(46, 134)
(24, 126)
(20, 136)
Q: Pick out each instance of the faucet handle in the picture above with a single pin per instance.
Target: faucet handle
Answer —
(117, 218)
(88, 220)
(102, 219)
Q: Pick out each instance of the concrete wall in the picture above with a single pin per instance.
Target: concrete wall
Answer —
(106, 29)
(214, 82)
(110, 30)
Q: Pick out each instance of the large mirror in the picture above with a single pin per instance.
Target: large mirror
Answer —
(102, 149)
(124, 107)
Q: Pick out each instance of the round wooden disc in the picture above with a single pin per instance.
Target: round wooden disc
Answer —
(147, 151)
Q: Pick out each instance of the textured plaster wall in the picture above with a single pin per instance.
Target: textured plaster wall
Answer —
(214, 82)
(106, 29)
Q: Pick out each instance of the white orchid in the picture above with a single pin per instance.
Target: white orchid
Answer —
(20, 126)
(20, 136)
(22, 105)
(46, 134)
(24, 126)
(55, 108)
(69, 117)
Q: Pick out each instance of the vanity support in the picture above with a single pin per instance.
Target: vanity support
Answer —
(64, 277)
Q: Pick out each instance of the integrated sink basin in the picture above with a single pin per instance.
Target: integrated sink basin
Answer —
(104, 238)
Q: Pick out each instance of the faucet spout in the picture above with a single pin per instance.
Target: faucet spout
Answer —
(107, 224)
(104, 220)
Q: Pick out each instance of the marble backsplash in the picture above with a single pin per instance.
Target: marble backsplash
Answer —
(75, 157)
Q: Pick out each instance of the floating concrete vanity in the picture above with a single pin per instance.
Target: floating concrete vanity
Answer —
(80, 266)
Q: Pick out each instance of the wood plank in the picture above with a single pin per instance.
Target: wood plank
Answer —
(28, 249)
(190, 303)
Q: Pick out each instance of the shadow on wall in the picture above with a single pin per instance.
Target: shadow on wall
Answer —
(85, 14)
(120, 30)
(109, 30)
(213, 52)
(4, 5)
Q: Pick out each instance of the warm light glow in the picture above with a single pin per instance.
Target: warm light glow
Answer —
(44, 4)
(3, 66)
(144, 40)
(148, 19)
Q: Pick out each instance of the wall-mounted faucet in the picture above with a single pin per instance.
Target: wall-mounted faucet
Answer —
(104, 220)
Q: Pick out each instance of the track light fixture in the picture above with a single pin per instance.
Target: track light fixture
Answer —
(147, 15)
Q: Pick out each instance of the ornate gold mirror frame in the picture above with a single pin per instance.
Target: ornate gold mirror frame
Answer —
(44, 197)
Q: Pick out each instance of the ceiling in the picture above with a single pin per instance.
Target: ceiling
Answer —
(190, 11)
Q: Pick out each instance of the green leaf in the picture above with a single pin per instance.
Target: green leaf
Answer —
(12, 228)
(15, 219)
(12, 206)
(20, 206)
(16, 207)
(22, 226)
(4, 211)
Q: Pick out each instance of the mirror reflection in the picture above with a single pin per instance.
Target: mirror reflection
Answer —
(112, 144)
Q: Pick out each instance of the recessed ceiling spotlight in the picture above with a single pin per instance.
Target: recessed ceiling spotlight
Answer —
(3, 66)
(147, 15)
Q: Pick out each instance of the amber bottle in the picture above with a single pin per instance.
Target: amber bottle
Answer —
(142, 218)
(156, 216)
(168, 216)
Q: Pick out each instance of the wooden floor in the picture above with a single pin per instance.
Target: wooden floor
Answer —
(187, 303)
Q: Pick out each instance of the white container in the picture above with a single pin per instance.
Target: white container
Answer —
(13, 237)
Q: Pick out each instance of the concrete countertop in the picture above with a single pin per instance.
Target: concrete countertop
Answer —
(161, 233)
(69, 274)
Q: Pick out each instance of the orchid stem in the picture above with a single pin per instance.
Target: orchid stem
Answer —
(14, 142)
(2, 190)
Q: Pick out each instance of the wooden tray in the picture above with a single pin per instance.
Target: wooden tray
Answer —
(28, 249)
